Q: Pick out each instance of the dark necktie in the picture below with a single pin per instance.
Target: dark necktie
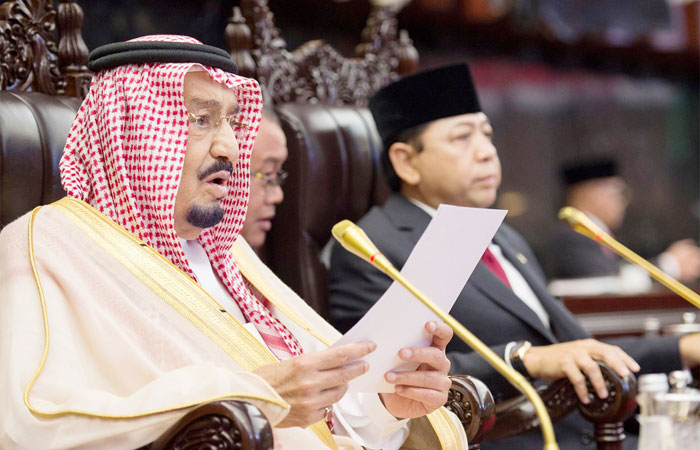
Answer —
(492, 263)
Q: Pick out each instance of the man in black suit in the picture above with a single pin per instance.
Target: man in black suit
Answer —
(438, 149)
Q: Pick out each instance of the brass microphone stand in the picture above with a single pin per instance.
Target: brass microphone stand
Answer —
(582, 224)
(356, 241)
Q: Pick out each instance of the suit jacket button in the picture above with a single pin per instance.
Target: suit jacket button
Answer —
(586, 438)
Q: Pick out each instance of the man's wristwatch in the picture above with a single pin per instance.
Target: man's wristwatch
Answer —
(517, 353)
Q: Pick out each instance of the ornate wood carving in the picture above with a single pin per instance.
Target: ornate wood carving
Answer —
(72, 51)
(472, 403)
(28, 47)
(215, 431)
(516, 416)
(219, 425)
(316, 72)
(31, 59)
(240, 41)
(609, 414)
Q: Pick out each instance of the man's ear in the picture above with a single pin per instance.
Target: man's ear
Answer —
(401, 156)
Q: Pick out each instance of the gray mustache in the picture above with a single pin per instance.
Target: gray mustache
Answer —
(216, 167)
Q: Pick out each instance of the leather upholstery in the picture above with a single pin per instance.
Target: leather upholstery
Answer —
(334, 174)
(33, 131)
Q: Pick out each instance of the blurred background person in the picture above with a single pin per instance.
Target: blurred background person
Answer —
(266, 178)
(596, 187)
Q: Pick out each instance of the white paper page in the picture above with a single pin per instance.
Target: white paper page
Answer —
(439, 266)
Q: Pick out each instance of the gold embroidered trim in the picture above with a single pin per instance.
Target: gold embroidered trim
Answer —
(322, 431)
(37, 373)
(201, 309)
(171, 284)
(44, 316)
(256, 279)
(246, 268)
(445, 429)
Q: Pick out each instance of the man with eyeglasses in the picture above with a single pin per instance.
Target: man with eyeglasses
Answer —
(266, 179)
(125, 304)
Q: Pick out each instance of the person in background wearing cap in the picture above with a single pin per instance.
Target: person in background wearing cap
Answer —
(124, 304)
(596, 188)
(438, 149)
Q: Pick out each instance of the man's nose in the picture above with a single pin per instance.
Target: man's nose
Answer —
(274, 194)
(225, 143)
(485, 149)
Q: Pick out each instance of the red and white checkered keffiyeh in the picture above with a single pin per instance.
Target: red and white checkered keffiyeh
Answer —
(124, 156)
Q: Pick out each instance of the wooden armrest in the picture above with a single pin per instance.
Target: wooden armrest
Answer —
(232, 424)
(473, 404)
(517, 415)
(223, 424)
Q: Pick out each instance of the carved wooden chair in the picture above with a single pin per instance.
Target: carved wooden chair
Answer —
(334, 174)
(40, 85)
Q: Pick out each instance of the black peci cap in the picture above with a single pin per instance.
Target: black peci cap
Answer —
(423, 97)
(578, 171)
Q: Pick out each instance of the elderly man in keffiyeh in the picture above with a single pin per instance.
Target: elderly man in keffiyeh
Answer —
(125, 304)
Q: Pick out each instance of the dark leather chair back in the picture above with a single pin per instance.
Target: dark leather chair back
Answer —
(33, 131)
(333, 165)
(40, 93)
(334, 174)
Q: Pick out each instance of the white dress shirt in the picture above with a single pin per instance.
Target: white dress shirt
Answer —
(520, 286)
(360, 416)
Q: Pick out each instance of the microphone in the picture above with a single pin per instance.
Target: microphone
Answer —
(582, 224)
(354, 239)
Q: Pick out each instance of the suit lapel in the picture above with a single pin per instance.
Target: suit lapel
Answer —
(412, 221)
(491, 286)
(525, 269)
(409, 219)
(562, 322)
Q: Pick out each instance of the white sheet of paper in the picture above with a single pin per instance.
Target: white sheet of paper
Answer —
(439, 266)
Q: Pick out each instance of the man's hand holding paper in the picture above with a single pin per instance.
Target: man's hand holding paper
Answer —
(421, 391)
(439, 266)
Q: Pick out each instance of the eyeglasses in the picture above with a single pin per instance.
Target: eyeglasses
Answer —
(271, 179)
(204, 124)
